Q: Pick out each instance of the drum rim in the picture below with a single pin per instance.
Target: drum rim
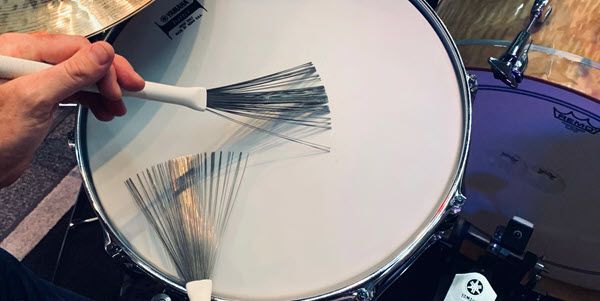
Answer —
(384, 276)
(572, 57)
(544, 81)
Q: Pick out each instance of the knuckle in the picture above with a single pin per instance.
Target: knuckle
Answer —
(77, 70)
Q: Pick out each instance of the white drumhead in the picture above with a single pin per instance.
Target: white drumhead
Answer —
(306, 222)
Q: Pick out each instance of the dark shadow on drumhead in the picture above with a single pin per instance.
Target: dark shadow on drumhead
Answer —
(561, 221)
(487, 183)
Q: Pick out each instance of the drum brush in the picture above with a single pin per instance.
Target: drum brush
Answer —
(293, 95)
(188, 202)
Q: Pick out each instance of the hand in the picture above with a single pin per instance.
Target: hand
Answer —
(27, 103)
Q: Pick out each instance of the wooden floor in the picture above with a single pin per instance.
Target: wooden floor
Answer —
(566, 291)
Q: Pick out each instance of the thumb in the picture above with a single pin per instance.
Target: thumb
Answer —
(84, 68)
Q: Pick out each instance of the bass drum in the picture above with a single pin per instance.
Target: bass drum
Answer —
(564, 50)
(308, 224)
(535, 148)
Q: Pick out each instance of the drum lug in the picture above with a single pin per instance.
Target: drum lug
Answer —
(114, 251)
(457, 202)
(117, 253)
(511, 66)
(363, 294)
(542, 10)
(71, 141)
(472, 82)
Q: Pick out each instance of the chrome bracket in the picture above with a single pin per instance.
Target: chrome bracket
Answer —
(472, 82)
(511, 66)
(363, 294)
(116, 252)
(457, 203)
(71, 140)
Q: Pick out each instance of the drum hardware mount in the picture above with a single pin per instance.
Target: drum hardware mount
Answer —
(116, 252)
(506, 262)
(472, 82)
(83, 221)
(132, 270)
(363, 294)
(71, 140)
(457, 202)
(512, 238)
(161, 297)
(511, 66)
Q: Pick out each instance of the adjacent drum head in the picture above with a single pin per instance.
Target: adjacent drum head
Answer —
(564, 50)
(534, 154)
(307, 223)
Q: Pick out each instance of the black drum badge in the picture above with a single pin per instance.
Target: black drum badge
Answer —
(180, 17)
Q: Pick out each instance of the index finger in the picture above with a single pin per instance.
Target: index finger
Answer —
(49, 48)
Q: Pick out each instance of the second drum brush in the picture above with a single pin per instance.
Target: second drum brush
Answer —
(293, 95)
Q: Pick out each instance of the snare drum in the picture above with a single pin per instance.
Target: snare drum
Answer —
(535, 149)
(308, 224)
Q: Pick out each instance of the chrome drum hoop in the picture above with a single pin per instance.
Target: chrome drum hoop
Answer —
(378, 281)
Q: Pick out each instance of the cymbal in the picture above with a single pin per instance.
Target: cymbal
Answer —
(76, 17)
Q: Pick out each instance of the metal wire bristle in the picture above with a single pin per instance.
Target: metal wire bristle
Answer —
(292, 95)
(188, 201)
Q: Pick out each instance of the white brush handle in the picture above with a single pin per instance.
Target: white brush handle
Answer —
(199, 290)
(191, 97)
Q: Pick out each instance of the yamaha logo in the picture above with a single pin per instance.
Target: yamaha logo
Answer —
(474, 287)
(575, 123)
(173, 11)
(180, 17)
(470, 287)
